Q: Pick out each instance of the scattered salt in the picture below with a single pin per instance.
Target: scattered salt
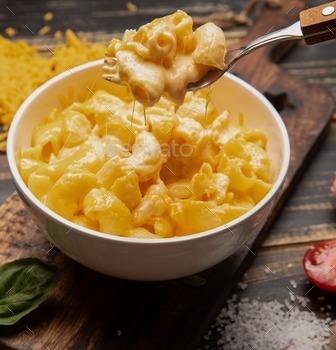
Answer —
(267, 271)
(303, 301)
(293, 283)
(292, 297)
(288, 305)
(242, 285)
(251, 324)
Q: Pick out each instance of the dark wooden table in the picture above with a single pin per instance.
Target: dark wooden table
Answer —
(309, 214)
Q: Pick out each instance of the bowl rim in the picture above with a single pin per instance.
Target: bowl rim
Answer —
(230, 226)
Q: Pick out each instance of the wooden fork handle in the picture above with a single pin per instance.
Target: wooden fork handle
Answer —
(319, 23)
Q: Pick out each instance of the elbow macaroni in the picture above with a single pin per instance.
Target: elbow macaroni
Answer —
(164, 56)
(178, 174)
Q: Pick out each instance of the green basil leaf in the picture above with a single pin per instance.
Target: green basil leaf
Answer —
(24, 285)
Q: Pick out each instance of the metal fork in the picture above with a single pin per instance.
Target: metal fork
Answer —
(316, 24)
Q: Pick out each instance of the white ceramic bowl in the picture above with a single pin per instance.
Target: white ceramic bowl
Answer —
(142, 259)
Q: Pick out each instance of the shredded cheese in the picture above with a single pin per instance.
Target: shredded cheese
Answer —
(131, 7)
(44, 30)
(48, 16)
(58, 35)
(23, 69)
(10, 32)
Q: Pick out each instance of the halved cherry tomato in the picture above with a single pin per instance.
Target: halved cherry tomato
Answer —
(320, 265)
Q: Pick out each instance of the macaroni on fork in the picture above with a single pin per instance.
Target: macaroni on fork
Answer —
(187, 169)
(164, 56)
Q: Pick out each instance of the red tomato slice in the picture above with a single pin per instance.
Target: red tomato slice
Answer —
(320, 265)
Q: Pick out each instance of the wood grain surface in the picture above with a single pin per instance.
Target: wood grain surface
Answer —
(92, 311)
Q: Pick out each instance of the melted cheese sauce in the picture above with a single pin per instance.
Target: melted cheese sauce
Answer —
(164, 56)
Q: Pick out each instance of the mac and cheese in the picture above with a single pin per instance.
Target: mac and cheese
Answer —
(164, 56)
(98, 164)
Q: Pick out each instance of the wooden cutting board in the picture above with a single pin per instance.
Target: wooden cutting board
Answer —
(92, 311)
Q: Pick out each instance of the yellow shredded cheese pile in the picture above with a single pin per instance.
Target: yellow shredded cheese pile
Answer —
(24, 68)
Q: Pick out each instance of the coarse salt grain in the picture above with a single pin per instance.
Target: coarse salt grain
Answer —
(251, 324)
(303, 301)
(292, 297)
(293, 283)
(267, 271)
(288, 305)
(242, 285)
